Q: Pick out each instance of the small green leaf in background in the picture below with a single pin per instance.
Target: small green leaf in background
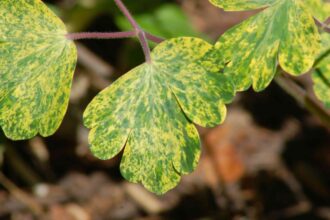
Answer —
(283, 33)
(37, 65)
(167, 21)
(149, 112)
(321, 75)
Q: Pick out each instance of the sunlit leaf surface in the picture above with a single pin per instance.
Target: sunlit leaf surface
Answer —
(149, 112)
(36, 69)
(283, 33)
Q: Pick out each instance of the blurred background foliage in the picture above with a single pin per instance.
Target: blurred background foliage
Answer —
(269, 160)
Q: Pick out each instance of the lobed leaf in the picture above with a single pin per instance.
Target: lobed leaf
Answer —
(37, 64)
(321, 75)
(283, 33)
(149, 112)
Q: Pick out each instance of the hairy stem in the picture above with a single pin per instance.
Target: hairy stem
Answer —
(127, 14)
(138, 30)
(154, 38)
(145, 46)
(100, 35)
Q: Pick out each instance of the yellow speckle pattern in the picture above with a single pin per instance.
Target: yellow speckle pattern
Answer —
(37, 64)
(321, 75)
(284, 34)
(149, 112)
(319, 8)
(238, 5)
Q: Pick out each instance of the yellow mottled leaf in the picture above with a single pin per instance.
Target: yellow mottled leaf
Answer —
(284, 33)
(37, 64)
(150, 113)
(238, 5)
(320, 9)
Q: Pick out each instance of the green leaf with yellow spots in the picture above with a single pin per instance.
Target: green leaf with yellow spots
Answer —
(320, 9)
(150, 111)
(37, 64)
(321, 75)
(239, 5)
(284, 33)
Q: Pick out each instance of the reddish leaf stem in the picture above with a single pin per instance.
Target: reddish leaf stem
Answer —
(145, 46)
(138, 30)
(154, 38)
(100, 35)
(127, 14)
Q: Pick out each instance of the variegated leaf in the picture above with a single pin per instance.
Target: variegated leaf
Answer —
(321, 75)
(37, 64)
(320, 9)
(239, 5)
(283, 33)
(149, 113)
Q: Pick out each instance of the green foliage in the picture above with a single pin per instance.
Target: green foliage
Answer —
(239, 5)
(83, 12)
(283, 33)
(152, 108)
(37, 64)
(167, 21)
(320, 9)
(321, 75)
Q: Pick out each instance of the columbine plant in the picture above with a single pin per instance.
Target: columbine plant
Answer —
(150, 112)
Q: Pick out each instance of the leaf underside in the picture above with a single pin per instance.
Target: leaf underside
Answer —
(284, 33)
(37, 64)
(150, 113)
(321, 75)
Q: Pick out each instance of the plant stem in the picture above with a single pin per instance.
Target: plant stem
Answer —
(138, 30)
(154, 38)
(324, 55)
(111, 35)
(323, 25)
(101, 35)
(145, 46)
(127, 14)
(303, 98)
